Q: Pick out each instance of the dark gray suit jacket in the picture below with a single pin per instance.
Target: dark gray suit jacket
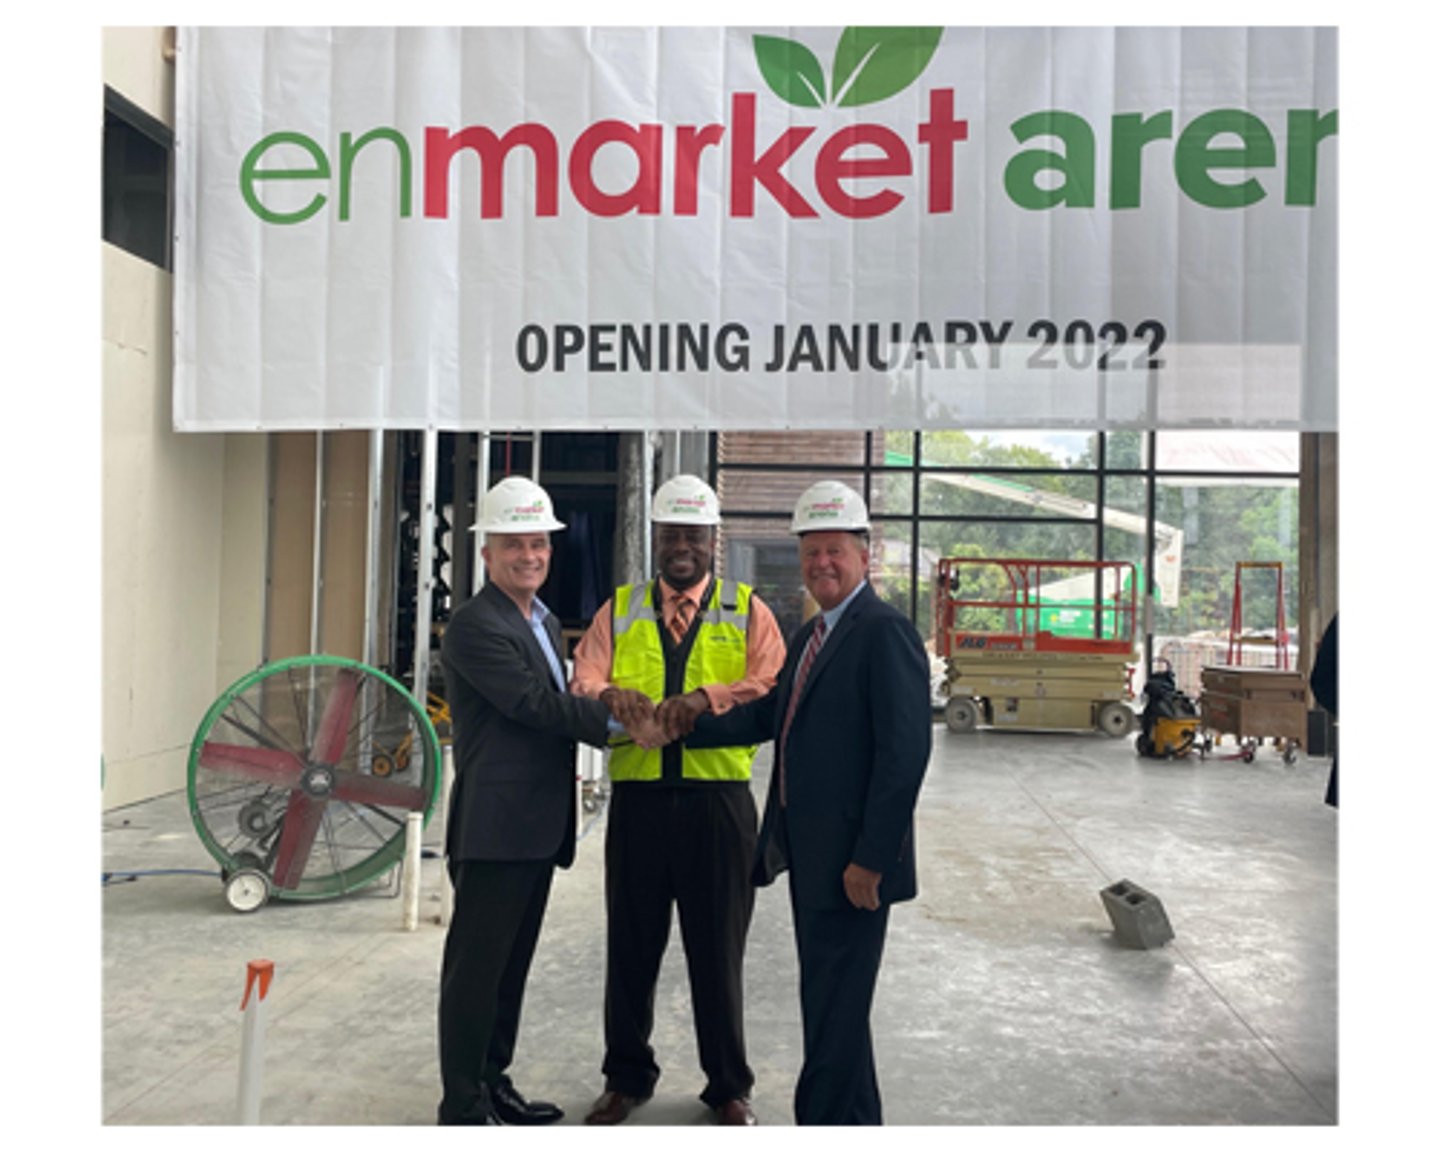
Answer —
(515, 734)
(856, 755)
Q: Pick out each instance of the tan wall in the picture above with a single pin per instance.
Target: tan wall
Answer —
(182, 516)
(344, 539)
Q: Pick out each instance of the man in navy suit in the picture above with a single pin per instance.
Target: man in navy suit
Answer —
(851, 722)
(512, 808)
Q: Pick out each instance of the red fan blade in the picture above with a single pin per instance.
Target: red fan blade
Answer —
(268, 765)
(358, 789)
(297, 837)
(335, 722)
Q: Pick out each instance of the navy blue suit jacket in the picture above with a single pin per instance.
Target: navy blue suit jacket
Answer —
(855, 756)
(515, 734)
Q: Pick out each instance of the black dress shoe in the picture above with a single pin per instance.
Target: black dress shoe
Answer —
(513, 1108)
(473, 1117)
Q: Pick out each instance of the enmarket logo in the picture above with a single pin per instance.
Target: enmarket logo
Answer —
(1224, 158)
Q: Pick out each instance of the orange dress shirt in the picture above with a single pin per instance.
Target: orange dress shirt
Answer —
(764, 651)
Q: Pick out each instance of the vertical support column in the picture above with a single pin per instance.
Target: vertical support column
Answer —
(482, 484)
(376, 467)
(425, 576)
(632, 495)
(317, 581)
(648, 472)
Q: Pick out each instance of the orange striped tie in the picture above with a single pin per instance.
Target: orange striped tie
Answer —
(680, 620)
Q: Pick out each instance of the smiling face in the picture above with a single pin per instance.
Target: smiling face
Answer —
(517, 563)
(832, 564)
(684, 553)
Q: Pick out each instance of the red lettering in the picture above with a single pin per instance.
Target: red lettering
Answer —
(832, 167)
(746, 169)
(441, 147)
(690, 142)
(939, 134)
(643, 196)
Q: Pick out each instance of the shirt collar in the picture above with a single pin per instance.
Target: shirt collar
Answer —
(695, 593)
(832, 616)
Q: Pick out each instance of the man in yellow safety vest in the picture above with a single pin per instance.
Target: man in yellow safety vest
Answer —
(682, 824)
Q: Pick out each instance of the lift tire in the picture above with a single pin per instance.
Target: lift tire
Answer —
(1115, 720)
(961, 714)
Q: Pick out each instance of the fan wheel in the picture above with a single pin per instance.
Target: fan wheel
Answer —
(294, 773)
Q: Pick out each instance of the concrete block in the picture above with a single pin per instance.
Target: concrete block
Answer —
(1138, 916)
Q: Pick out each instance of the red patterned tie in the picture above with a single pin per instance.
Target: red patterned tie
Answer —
(802, 672)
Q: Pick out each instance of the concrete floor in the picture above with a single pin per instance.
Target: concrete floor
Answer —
(1004, 998)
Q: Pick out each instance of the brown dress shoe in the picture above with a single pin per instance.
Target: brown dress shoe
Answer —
(735, 1111)
(612, 1108)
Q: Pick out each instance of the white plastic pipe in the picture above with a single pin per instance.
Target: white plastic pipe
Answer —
(410, 878)
(252, 1039)
(447, 781)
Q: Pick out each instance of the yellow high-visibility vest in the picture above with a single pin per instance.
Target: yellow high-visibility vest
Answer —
(717, 656)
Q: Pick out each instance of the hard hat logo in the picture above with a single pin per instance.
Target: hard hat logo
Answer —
(517, 505)
(685, 500)
(830, 506)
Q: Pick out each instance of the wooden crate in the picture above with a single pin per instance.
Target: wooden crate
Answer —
(1254, 702)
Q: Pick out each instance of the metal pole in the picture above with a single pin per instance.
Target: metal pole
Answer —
(317, 579)
(647, 460)
(425, 577)
(372, 548)
(477, 538)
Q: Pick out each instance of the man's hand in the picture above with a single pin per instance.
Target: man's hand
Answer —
(630, 708)
(677, 714)
(648, 734)
(862, 887)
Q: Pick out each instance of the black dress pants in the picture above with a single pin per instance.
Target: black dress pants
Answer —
(839, 952)
(689, 848)
(493, 929)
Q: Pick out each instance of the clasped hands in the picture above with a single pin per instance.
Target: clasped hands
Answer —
(653, 725)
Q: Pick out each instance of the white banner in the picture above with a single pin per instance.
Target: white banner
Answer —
(692, 228)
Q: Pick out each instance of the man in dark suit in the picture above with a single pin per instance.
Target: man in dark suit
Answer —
(851, 722)
(512, 809)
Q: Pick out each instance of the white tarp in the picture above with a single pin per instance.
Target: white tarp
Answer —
(692, 228)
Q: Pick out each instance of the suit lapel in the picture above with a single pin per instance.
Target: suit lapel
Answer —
(509, 613)
(835, 640)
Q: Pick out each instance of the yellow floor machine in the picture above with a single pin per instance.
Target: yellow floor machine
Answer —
(1170, 723)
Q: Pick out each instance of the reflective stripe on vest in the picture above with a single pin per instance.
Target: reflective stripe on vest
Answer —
(717, 656)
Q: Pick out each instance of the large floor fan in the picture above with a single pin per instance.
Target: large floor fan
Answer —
(302, 775)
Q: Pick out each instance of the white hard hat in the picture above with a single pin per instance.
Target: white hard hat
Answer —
(685, 500)
(517, 505)
(829, 506)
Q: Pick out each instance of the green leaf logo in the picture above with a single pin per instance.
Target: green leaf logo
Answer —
(871, 64)
(791, 70)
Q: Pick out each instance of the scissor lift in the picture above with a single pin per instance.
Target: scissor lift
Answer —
(1036, 644)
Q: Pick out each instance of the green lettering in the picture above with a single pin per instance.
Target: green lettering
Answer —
(348, 152)
(1304, 131)
(1076, 164)
(250, 173)
(1195, 158)
(1130, 132)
